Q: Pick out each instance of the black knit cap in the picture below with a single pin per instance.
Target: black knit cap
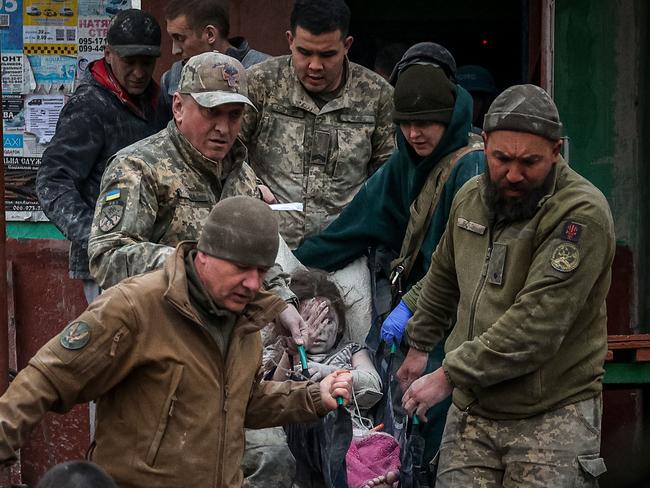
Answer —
(423, 92)
(133, 32)
(524, 108)
(243, 230)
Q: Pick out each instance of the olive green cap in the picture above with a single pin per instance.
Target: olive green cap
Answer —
(243, 230)
(423, 92)
(524, 108)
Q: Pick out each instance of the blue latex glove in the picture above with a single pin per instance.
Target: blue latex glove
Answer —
(393, 327)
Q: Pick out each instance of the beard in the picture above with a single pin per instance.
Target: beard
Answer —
(514, 209)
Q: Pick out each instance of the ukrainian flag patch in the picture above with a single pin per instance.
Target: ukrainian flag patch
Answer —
(113, 194)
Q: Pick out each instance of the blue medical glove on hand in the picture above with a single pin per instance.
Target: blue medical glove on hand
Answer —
(393, 327)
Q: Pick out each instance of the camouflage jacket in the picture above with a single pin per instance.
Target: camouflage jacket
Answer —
(318, 157)
(155, 194)
(97, 121)
(527, 299)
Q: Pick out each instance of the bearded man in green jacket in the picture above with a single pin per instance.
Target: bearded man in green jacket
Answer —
(523, 271)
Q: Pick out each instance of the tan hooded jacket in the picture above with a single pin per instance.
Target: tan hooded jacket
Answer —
(171, 410)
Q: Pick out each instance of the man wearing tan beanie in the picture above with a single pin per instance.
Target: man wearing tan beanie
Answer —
(172, 358)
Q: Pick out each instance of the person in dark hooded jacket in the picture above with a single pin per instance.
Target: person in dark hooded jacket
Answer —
(406, 204)
(114, 106)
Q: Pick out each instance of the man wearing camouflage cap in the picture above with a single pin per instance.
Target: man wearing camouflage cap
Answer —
(158, 191)
(523, 271)
(113, 106)
(172, 358)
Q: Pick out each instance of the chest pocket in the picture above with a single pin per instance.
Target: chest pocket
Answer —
(190, 208)
(354, 147)
(281, 140)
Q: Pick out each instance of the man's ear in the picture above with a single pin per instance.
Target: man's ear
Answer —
(485, 137)
(177, 108)
(108, 54)
(557, 148)
(289, 38)
(347, 43)
(211, 34)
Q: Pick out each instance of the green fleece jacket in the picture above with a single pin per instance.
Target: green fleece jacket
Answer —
(379, 213)
(527, 299)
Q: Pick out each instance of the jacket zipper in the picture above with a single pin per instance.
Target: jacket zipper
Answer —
(116, 341)
(479, 288)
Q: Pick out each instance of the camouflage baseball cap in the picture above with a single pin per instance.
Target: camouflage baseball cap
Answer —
(524, 108)
(214, 79)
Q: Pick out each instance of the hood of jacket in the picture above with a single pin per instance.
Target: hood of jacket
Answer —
(99, 71)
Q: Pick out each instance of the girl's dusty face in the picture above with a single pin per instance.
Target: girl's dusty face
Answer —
(322, 324)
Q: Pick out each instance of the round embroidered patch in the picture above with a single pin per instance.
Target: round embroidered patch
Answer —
(565, 257)
(110, 215)
(75, 336)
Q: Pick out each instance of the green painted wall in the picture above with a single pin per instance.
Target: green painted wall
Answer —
(584, 84)
(33, 230)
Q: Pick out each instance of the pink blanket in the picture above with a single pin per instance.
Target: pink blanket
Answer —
(370, 456)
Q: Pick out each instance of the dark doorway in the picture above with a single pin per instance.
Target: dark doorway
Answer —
(495, 35)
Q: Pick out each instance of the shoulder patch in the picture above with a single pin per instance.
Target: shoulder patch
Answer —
(565, 257)
(113, 194)
(75, 336)
(571, 231)
(110, 215)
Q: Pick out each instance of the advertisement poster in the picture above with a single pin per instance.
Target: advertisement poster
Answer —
(11, 45)
(53, 74)
(13, 118)
(20, 193)
(91, 32)
(50, 27)
(41, 115)
(91, 8)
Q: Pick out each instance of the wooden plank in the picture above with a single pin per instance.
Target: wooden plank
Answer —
(642, 355)
(625, 338)
(628, 345)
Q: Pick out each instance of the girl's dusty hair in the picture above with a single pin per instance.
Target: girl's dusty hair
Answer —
(317, 283)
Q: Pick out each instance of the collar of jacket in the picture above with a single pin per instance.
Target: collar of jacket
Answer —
(558, 172)
(101, 73)
(299, 97)
(221, 169)
(264, 308)
(239, 48)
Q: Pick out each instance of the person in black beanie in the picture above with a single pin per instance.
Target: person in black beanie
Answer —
(404, 207)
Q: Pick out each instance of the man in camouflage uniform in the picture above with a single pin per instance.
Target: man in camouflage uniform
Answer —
(158, 191)
(523, 270)
(322, 124)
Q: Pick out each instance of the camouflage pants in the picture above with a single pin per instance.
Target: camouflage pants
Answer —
(267, 459)
(559, 448)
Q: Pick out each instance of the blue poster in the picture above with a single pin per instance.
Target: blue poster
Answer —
(11, 45)
(11, 25)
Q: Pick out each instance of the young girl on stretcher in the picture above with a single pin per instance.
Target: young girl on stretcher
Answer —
(323, 310)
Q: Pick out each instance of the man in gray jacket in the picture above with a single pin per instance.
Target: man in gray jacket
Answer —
(198, 26)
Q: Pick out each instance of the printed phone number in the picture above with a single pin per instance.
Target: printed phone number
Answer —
(91, 49)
